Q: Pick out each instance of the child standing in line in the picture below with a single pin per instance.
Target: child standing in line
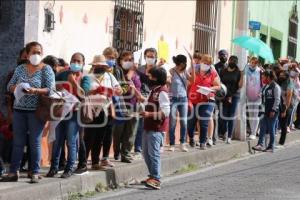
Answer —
(156, 114)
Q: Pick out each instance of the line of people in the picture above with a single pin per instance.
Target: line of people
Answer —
(144, 104)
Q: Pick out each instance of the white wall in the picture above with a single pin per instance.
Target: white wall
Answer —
(172, 19)
(225, 25)
(72, 34)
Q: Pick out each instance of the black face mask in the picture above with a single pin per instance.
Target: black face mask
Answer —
(232, 65)
(223, 60)
(99, 70)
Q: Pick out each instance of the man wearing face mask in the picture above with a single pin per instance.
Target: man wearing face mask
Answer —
(223, 56)
(150, 56)
(253, 89)
(124, 132)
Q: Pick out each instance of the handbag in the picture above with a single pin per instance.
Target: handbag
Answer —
(50, 108)
(90, 109)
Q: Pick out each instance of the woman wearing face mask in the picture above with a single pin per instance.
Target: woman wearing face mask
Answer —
(294, 76)
(124, 132)
(232, 78)
(203, 100)
(287, 88)
(253, 89)
(179, 101)
(270, 101)
(101, 82)
(40, 79)
(68, 129)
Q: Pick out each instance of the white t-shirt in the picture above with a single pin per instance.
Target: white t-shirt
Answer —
(108, 81)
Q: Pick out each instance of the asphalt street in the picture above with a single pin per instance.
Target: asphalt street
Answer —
(262, 176)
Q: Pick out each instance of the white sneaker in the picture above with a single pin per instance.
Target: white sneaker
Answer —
(252, 137)
(228, 141)
(172, 148)
(209, 142)
(183, 148)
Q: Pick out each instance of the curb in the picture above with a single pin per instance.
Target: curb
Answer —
(56, 188)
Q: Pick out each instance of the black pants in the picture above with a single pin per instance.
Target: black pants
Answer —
(123, 137)
(98, 137)
(283, 125)
(82, 159)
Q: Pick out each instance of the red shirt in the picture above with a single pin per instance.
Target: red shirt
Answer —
(206, 80)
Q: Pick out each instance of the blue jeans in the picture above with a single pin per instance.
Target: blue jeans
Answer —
(66, 129)
(180, 104)
(228, 115)
(204, 114)
(25, 122)
(151, 152)
(139, 135)
(268, 125)
(191, 124)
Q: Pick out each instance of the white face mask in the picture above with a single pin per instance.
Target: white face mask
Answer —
(204, 67)
(35, 59)
(150, 61)
(127, 65)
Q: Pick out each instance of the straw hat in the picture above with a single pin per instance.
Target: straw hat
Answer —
(99, 60)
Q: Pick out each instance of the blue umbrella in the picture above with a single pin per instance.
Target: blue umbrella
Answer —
(256, 46)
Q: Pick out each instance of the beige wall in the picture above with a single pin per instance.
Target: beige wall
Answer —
(72, 34)
(225, 33)
(172, 19)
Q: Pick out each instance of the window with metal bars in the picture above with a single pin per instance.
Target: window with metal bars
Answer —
(293, 32)
(128, 25)
(205, 27)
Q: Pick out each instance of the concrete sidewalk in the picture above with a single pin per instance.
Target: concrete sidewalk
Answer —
(122, 173)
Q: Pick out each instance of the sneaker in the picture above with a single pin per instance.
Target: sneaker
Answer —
(106, 163)
(183, 148)
(269, 149)
(96, 167)
(81, 170)
(197, 144)
(10, 178)
(202, 146)
(288, 130)
(192, 144)
(252, 137)
(67, 174)
(153, 183)
(34, 178)
(117, 156)
(172, 148)
(145, 181)
(258, 148)
(51, 173)
(228, 141)
(137, 156)
(125, 160)
(209, 143)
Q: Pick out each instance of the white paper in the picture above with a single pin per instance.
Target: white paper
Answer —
(71, 100)
(137, 56)
(204, 90)
(18, 93)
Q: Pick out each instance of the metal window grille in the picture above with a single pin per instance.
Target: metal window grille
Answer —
(128, 25)
(205, 27)
(293, 32)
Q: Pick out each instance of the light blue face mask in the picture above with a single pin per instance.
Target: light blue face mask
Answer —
(74, 67)
(111, 63)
